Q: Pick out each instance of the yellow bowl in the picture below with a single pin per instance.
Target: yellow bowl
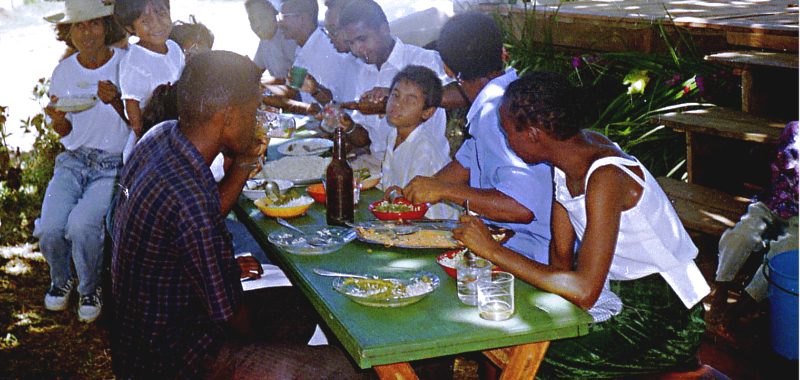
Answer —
(283, 211)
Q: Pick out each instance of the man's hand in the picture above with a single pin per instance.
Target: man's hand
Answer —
(423, 189)
(475, 235)
(250, 267)
(376, 95)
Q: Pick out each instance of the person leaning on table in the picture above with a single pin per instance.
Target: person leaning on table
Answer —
(176, 285)
(628, 233)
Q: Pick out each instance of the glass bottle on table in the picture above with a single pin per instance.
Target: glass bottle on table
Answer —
(339, 184)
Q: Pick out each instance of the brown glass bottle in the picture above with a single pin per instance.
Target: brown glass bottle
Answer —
(366, 108)
(339, 184)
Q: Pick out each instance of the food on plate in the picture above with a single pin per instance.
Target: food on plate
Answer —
(297, 168)
(290, 199)
(399, 209)
(419, 239)
(387, 292)
(286, 209)
(361, 174)
(75, 103)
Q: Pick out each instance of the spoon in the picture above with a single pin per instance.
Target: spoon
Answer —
(324, 272)
(313, 240)
(272, 189)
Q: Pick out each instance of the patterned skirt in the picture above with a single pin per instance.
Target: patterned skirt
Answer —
(653, 333)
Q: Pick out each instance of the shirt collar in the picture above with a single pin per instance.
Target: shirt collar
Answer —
(192, 156)
(396, 57)
(494, 89)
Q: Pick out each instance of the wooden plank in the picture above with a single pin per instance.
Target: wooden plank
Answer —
(747, 59)
(723, 122)
(764, 41)
(703, 209)
(397, 371)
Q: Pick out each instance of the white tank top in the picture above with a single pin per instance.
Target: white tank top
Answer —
(651, 237)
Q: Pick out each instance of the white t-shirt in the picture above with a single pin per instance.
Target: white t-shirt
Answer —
(141, 71)
(276, 55)
(423, 153)
(99, 127)
(370, 77)
(331, 69)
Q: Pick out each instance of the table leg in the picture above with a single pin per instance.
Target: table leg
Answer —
(519, 362)
(396, 371)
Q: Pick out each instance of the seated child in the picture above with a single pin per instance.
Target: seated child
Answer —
(412, 149)
(193, 37)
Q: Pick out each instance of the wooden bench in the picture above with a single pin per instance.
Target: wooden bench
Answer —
(702, 209)
(728, 150)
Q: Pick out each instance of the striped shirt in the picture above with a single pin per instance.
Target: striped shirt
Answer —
(175, 280)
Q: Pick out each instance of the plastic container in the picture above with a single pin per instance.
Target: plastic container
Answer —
(783, 306)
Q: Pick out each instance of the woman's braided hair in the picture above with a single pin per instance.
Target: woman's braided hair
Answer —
(546, 101)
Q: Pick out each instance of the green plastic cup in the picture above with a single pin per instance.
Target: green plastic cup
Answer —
(298, 76)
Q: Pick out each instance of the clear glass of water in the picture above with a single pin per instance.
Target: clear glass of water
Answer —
(467, 274)
(496, 296)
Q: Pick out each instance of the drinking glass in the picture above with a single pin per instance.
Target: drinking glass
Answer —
(496, 296)
(467, 274)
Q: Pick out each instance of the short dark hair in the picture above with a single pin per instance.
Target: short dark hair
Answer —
(113, 32)
(425, 79)
(185, 31)
(547, 101)
(303, 6)
(471, 45)
(127, 11)
(213, 80)
(366, 11)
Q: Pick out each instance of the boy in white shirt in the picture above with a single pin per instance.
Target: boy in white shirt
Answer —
(412, 147)
(154, 60)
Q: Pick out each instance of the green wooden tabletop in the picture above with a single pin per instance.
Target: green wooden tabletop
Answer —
(437, 325)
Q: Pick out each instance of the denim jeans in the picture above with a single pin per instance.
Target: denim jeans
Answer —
(75, 203)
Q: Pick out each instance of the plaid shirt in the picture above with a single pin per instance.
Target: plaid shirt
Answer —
(175, 280)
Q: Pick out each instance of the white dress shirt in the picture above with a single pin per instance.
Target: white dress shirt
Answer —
(333, 70)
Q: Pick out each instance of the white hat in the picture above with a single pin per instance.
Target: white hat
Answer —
(82, 10)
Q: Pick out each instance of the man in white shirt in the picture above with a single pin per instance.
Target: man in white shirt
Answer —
(366, 31)
(275, 52)
(329, 68)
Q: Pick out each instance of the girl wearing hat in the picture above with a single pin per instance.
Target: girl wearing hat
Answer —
(86, 111)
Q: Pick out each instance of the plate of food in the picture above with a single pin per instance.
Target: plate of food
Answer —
(315, 240)
(395, 291)
(288, 205)
(301, 170)
(255, 188)
(305, 147)
(366, 179)
(76, 103)
(424, 234)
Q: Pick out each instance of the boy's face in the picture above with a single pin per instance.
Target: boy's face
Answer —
(154, 25)
(262, 20)
(406, 105)
(88, 35)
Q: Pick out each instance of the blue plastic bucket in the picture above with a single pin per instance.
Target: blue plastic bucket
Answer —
(783, 305)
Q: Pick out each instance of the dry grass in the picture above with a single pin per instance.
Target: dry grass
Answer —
(40, 344)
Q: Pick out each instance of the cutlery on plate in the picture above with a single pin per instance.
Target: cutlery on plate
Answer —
(328, 273)
(311, 240)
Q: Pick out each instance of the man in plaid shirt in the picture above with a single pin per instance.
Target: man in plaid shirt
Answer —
(176, 285)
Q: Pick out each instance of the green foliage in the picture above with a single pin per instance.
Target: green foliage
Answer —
(24, 177)
(624, 90)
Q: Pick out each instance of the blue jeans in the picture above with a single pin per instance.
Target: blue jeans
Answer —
(75, 203)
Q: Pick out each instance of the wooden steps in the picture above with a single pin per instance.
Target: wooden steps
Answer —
(703, 209)
(723, 122)
(748, 59)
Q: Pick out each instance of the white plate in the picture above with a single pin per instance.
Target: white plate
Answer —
(250, 192)
(302, 170)
(75, 103)
(305, 147)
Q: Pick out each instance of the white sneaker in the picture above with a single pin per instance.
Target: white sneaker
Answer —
(57, 298)
(90, 307)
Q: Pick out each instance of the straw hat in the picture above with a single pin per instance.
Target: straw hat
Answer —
(82, 10)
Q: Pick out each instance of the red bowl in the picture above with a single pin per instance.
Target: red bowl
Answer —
(418, 213)
(451, 271)
(317, 191)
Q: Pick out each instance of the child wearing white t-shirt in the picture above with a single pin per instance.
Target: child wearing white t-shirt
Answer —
(154, 60)
(412, 149)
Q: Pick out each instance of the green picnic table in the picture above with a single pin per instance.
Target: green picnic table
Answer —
(438, 325)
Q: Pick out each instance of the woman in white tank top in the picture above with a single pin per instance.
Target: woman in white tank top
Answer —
(634, 267)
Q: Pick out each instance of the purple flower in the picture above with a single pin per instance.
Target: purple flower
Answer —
(698, 80)
(577, 62)
(674, 80)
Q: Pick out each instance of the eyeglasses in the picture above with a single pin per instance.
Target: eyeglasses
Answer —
(282, 16)
(330, 32)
